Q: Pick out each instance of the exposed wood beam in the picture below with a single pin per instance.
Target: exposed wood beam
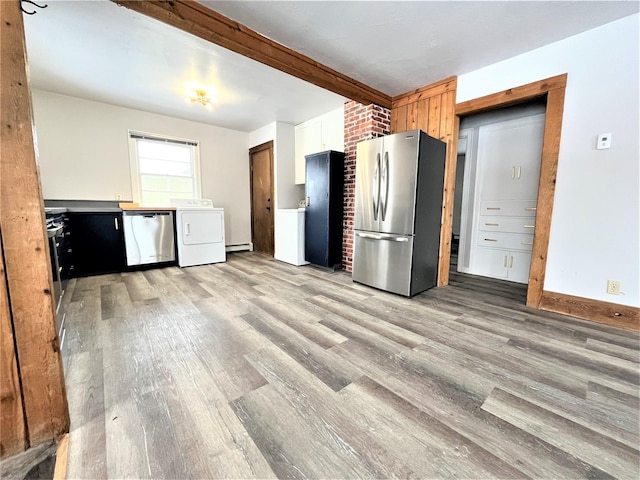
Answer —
(198, 20)
(25, 245)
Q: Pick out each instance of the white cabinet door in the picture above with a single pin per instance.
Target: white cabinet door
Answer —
(509, 155)
(504, 264)
(490, 262)
(519, 264)
(308, 140)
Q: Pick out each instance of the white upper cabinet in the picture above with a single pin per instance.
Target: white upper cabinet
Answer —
(509, 158)
(325, 132)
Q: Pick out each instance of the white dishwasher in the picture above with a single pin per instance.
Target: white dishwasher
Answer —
(199, 232)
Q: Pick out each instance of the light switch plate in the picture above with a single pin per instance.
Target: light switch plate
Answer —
(604, 141)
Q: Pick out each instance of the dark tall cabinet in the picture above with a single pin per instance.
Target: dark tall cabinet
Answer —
(324, 182)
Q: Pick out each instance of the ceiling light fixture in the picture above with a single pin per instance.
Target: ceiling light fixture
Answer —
(200, 95)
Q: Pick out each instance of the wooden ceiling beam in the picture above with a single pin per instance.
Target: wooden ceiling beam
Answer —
(198, 20)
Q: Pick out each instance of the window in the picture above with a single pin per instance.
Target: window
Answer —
(163, 168)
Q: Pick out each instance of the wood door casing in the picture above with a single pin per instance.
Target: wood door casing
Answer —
(553, 89)
(262, 202)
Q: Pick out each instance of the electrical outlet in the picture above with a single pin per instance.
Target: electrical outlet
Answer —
(118, 196)
(613, 287)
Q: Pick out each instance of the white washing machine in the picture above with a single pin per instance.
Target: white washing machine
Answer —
(199, 232)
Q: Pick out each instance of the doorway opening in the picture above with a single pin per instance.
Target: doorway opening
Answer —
(262, 204)
(497, 173)
(553, 91)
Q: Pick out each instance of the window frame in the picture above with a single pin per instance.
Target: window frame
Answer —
(134, 165)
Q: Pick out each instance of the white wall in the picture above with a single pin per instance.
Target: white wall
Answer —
(287, 194)
(595, 228)
(84, 155)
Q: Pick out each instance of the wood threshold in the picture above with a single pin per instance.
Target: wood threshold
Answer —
(62, 458)
(553, 88)
(603, 312)
(196, 19)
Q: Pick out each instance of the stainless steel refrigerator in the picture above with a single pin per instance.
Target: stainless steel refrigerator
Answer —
(398, 211)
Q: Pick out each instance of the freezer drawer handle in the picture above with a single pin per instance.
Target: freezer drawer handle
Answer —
(390, 238)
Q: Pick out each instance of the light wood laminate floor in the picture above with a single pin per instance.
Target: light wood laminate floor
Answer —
(258, 369)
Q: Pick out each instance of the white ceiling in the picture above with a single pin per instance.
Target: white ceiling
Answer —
(99, 51)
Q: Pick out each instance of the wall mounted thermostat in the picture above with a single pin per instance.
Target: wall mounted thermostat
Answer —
(604, 141)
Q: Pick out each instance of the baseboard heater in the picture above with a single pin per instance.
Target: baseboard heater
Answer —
(240, 247)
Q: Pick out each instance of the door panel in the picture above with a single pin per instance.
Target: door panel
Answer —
(316, 231)
(383, 261)
(262, 197)
(368, 159)
(201, 227)
(398, 182)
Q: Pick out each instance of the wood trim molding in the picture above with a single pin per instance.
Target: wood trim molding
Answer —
(196, 19)
(446, 226)
(25, 244)
(546, 194)
(553, 88)
(512, 95)
(603, 312)
(438, 88)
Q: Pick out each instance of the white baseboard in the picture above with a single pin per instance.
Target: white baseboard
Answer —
(243, 247)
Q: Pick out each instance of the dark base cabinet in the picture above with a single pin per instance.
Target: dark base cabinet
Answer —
(94, 244)
(324, 182)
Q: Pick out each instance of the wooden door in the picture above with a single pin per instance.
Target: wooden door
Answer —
(262, 202)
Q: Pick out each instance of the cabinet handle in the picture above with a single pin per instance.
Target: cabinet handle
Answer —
(115, 222)
(492, 224)
(490, 240)
(493, 208)
(511, 262)
(188, 229)
(531, 209)
(526, 243)
(505, 261)
(519, 170)
(528, 226)
(513, 172)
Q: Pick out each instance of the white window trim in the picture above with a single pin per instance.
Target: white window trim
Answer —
(136, 187)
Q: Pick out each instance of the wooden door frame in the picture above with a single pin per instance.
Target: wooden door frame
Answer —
(553, 89)
(264, 146)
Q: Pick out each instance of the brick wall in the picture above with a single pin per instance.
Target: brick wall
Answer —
(361, 122)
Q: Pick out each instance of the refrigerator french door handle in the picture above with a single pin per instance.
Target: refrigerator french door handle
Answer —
(376, 188)
(385, 182)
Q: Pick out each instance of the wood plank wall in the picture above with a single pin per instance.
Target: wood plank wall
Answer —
(28, 284)
(432, 109)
